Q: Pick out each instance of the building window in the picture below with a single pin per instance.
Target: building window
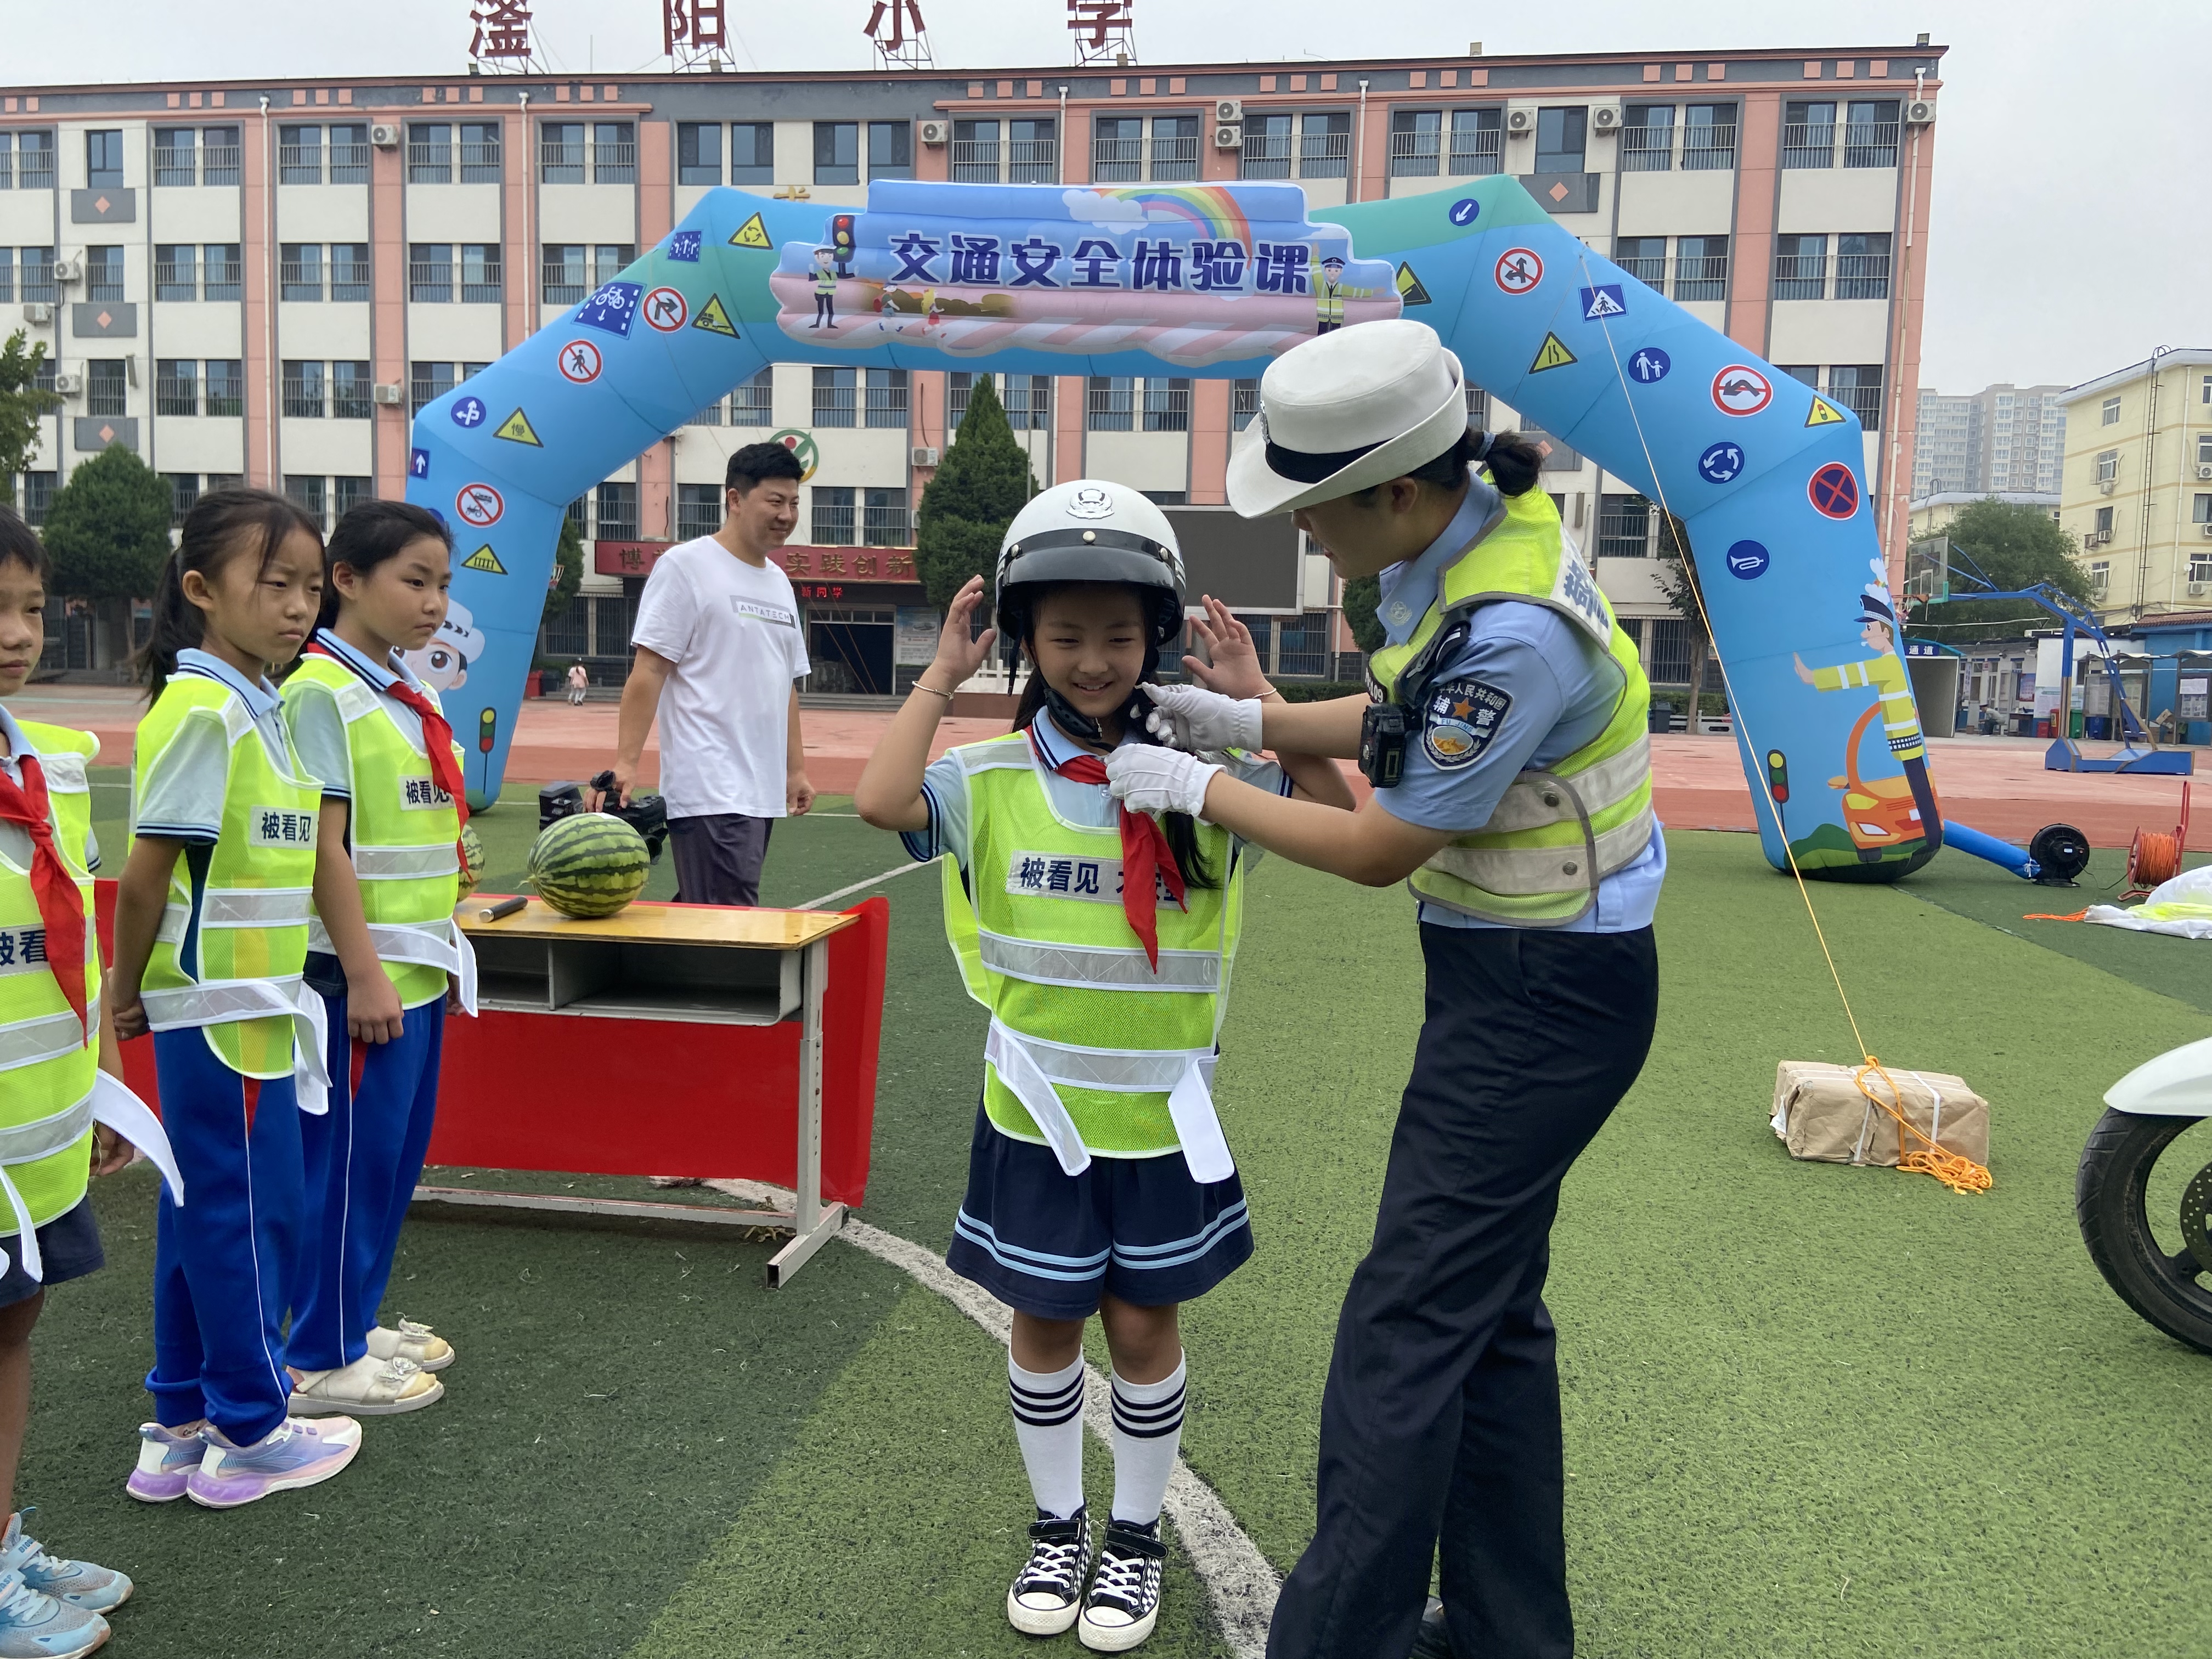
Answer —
(564, 277)
(698, 511)
(614, 153)
(1167, 405)
(427, 383)
(221, 277)
(309, 492)
(1266, 153)
(1643, 257)
(2202, 513)
(480, 156)
(959, 389)
(350, 273)
(34, 163)
(890, 149)
(1416, 144)
(834, 398)
(1862, 266)
(2100, 578)
(176, 385)
(610, 259)
(752, 153)
(106, 386)
(1110, 403)
(833, 515)
(1325, 145)
(1801, 267)
(429, 153)
(2102, 524)
(1701, 267)
(616, 514)
(1870, 133)
(1117, 149)
(561, 153)
(2112, 412)
(1808, 373)
(1033, 151)
(38, 274)
(753, 403)
(300, 270)
(886, 403)
(1174, 146)
(2108, 466)
(175, 163)
(103, 273)
(1809, 134)
(2204, 449)
(184, 491)
(226, 387)
(430, 272)
(698, 152)
(2200, 565)
(884, 520)
(836, 152)
(975, 152)
(1029, 402)
(1476, 136)
(1624, 527)
(303, 391)
(1559, 139)
(348, 493)
(1478, 405)
(1244, 404)
(480, 273)
(299, 155)
(1647, 138)
(352, 391)
(103, 159)
(349, 149)
(38, 497)
(6, 275)
(1858, 388)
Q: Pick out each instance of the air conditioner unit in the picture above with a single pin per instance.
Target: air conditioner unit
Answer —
(1228, 109)
(69, 270)
(388, 393)
(1228, 138)
(385, 135)
(2204, 469)
(1520, 122)
(2197, 589)
(1919, 111)
(924, 455)
(936, 133)
(1605, 117)
(68, 383)
(39, 312)
(2106, 486)
(2206, 528)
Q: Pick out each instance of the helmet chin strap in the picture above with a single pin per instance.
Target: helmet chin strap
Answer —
(1077, 725)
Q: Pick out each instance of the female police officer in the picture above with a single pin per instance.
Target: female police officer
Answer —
(1506, 736)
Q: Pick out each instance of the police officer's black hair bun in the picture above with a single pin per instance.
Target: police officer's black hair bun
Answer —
(1513, 462)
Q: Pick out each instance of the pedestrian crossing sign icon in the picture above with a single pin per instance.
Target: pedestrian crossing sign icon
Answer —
(1410, 291)
(751, 233)
(516, 429)
(1602, 301)
(1552, 353)
(714, 318)
(1824, 413)
(485, 559)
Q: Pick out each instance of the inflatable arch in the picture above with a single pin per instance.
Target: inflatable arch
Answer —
(1213, 280)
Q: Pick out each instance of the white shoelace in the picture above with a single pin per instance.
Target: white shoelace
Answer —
(20, 1604)
(1126, 1579)
(1053, 1566)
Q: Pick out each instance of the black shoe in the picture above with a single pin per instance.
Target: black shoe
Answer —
(1124, 1603)
(1432, 1641)
(1047, 1597)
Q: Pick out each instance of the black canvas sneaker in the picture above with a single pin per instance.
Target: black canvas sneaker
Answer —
(1124, 1603)
(1047, 1597)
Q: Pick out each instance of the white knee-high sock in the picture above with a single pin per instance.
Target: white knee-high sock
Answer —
(1147, 1433)
(1049, 1423)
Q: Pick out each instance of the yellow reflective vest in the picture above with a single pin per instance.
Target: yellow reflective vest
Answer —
(1559, 830)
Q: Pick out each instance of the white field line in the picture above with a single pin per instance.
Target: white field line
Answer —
(859, 886)
(1238, 1580)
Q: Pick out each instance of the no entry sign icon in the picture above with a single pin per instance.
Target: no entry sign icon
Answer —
(479, 504)
(1519, 270)
(580, 362)
(666, 310)
(1834, 491)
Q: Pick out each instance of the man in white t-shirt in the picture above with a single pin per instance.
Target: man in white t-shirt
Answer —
(720, 650)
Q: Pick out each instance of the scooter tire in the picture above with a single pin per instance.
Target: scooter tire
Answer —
(2108, 1204)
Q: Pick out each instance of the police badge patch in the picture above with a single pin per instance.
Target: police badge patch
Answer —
(1460, 719)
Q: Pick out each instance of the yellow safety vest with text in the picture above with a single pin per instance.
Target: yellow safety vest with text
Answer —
(1561, 830)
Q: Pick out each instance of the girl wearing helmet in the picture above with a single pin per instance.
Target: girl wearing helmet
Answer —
(1100, 941)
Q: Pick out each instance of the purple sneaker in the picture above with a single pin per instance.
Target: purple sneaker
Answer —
(165, 1459)
(296, 1453)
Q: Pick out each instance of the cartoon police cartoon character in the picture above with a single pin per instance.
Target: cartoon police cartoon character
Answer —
(444, 663)
(825, 288)
(1328, 296)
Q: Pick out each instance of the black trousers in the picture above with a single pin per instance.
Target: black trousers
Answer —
(719, 858)
(1440, 1416)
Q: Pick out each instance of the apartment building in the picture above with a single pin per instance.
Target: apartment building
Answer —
(2137, 487)
(2003, 438)
(264, 281)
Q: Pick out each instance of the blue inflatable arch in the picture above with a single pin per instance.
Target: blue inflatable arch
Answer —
(1215, 280)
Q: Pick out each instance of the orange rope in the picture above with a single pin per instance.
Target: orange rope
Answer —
(2153, 861)
(1958, 1172)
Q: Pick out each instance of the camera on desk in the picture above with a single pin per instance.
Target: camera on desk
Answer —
(647, 814)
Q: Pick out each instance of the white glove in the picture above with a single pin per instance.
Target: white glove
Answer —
(1198, 721)
(1148, 779)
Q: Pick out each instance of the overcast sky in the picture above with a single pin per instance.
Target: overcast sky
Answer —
(2069, 233)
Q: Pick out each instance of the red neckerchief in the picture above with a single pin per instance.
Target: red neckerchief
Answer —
(437, 733)
(60, 903)
(1145, 853)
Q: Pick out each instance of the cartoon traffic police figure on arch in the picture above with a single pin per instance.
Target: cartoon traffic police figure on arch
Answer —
(1886, 675)
(1328, 296)
(825, 289)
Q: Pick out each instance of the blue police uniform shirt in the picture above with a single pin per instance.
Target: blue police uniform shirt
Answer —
(1548, 689)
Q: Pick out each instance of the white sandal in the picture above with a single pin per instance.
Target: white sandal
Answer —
(368, 1388)
(413, 1341)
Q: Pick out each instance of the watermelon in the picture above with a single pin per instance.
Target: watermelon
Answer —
(588, 865)
(473, 860)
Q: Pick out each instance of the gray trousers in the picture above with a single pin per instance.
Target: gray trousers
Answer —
(719, 857)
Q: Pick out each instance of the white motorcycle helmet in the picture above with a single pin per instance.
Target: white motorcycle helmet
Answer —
(1090, 532)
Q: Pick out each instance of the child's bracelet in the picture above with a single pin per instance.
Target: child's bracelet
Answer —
(932, 690)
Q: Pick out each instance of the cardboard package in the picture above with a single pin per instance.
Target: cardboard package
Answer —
(1819, 1113)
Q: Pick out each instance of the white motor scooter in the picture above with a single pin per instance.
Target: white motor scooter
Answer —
(2148, 1111)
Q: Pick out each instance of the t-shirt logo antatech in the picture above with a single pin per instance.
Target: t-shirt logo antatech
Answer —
(774, 613)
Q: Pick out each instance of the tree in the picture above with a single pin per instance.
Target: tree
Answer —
(568, 571)
(2015, 546)
(21, 404)
(1361, 596)
(108, 530)
(983, 482)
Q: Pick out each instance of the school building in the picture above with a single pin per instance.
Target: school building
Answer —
(264, 281)
(2139, 484)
